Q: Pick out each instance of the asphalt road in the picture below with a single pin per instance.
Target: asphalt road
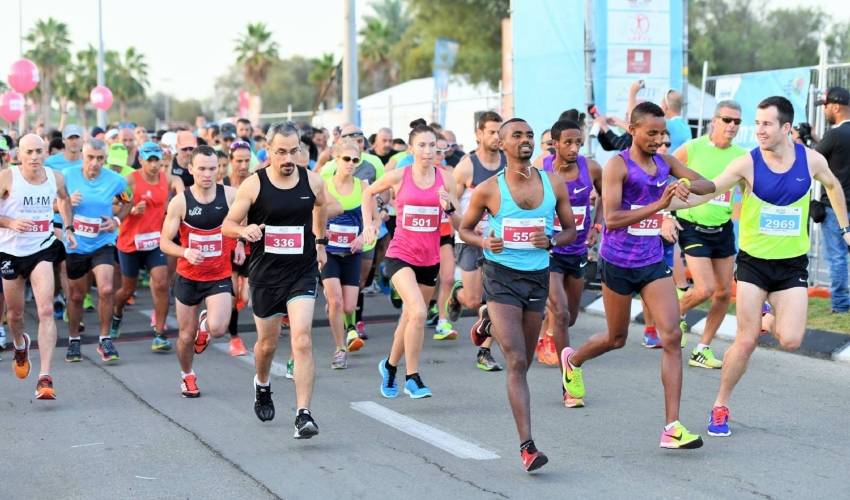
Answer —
(122, 430)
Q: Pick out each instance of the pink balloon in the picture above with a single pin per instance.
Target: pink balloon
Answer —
(23, 76)
(101, 98)
(12, 106)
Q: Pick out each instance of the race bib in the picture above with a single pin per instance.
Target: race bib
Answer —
(285, 240)
(421, 219)
(780, 221)
(722, 199)
(651, 226)
(579, 213)
(210, 245)
(148, 241)
(516, 233)
(86, 227)
(342, 236)
(38, 229)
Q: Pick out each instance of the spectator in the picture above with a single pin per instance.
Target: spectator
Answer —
(680, 131)
(454, 154)
(56, 146)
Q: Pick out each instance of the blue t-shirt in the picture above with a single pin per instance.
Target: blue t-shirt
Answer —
(59, 163)
(680, 132)
(407, 161)
(97, 203)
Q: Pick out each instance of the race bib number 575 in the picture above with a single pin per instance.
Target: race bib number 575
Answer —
(651, 226)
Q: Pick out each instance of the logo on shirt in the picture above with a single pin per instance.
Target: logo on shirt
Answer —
(800, 180)
(37, 200)
(195, 211)
(659, 184)
(218, 208)
(576, 191)
(305, 197)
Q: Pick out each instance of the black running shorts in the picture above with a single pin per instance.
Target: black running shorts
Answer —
(773, 275)
(527, 290)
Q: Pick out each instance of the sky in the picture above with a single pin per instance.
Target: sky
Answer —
(188, 43)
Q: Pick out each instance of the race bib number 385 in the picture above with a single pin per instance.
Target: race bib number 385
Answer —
(210, 245)
(284, 239)
(421, 219)
(516, 233)
(780, 221)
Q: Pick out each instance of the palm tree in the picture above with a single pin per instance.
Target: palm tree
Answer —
(375, 50)
(381, 46)
(50, 53)
(257, 52)
(84, 79)
(325, 76)
(129, 78)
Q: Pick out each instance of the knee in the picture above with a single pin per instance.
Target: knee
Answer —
(76, 294)
(747, 346)
(560, 313)
(416, 314)
(45, 311)
(616, 341)
(516, 362)
(14, 316)
(348, 308)
(104, 291)
(722, 294)
(788, 343)
(704, 292)
(473, 297)
(160, 284)
(334, 302)
(302, 344)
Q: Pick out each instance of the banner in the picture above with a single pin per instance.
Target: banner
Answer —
(749, 89)
(445, 53)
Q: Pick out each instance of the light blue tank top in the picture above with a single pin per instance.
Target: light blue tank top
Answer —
(514, 225)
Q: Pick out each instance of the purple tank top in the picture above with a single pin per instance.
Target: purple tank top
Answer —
(580, 190)
(637, 245)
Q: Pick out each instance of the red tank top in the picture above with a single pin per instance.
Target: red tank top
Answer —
(142, 231)
(417, 236)
(201, 230)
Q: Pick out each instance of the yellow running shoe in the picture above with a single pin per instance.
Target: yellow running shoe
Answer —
(678, 438)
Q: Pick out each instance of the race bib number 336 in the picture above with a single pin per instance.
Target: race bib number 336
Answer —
(285, 240)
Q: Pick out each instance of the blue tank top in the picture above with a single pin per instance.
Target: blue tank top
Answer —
(515, 225)
(580, 190)
(777, 189)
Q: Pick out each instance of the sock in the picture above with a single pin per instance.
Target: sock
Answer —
(569, 360)
(100, 339)
(670, 425)
(42, 375)
(528, 446)
(74, 339)
(408, 377)
(257, 382)
(348, 319)
(203, 325)
(700, 347)
(300, 410)
(159, 334)
(549, 334)
(18, 348)
(358, 311)
(482, 350)
(388, 366)
(234, 323)
(441, 322)
(192, 373)
(683, 318)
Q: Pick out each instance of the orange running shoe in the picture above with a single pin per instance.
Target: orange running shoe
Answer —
(189, 387)
(22, 359)
(237, 348)
(547, 354)
(539, 349)
(131, 301)
(44, 388)
(202, 337)
(533, 459)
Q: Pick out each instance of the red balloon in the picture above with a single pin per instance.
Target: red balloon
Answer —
(12, 105)
(23, 76)
(101, 98)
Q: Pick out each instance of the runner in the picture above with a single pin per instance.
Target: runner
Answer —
(203, 261)
(443, 329)
(773, 240)
(635, 189)
(95, 227)
(422, 193)
(27, 195)
(240, 164)
(516, 264)
(285, 207)
(139, 240)
(483, 163)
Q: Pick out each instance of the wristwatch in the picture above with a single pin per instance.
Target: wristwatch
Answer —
(322, 241)
(552, 243)
(845, 230)
(70, 228)
(244, 241)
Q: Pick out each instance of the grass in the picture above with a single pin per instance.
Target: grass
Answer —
(819, 317)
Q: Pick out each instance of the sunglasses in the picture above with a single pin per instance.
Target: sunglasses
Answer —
(666, 144)
(726, 119)
(442, 151)
(347, 159)
(240, 144)
(188, 149)
(549, 142)
(130, 126)
(452, 145)
(353, 135)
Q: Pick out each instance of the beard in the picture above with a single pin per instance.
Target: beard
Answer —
(287, 165)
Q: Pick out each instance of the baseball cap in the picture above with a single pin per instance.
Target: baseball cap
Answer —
(149, 149)
(228, 131)
(72, 130)
(117, 155)
(111, 133)
(3, 145)
(835, 95)
(97, 131)
(186, 139)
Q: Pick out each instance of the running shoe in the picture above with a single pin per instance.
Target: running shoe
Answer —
(433, 316)
(389, 384)
(705, 359)
(415, 388)
(44, 388)
(160, 343)
(74, 355)
(284, 321)
(373, 289)
(650, 338)
(107, 350)
(88, 305)
(131, 301)
(683, 325)
(353, 341)
(573, 382)
(383, 280)
(237, 348)
(395, 298)
(290, 367)
(305, 426)
(22, 359)
(718, 424)
(263, 404)
(340, 360)
(202, 337)
(571, 402)
(533, 459)
(115, 327)
(361, 330)
(189, 387)
(2, 338)
(548, 353)
(539, 348)
(481, 329)
(58, 306)
(486, 361)
(445, 332)
(453, 305)
(678, 438)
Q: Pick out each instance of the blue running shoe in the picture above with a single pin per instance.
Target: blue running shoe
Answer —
(383, 281)
(719, 424)
(650, 338)
(416, 389)
(389, 386)
(160, 343)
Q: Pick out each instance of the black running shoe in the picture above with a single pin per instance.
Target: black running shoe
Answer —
(73, 355)
(107, 350)
(263, 404)
(305, 426)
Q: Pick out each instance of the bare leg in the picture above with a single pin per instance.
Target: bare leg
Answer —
(300, 332)
(103, 275)
(187, 318)
(42, 288)
(415, 311)
(723, 271)
(559, 317)
(333, 292)
(159, 291)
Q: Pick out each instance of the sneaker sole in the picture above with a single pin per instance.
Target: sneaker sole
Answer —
(414, 396)
(46, 395)
(565, 363)
(719, 434)
(309, 430)
(73, 360)
(690, 445)
(191, 395)
(381, 369)
(574, 403)
(451, 336)
(355, 345)
(657, 346)
(701, 365)
(339, 367)
(489, 368)
(539, 461)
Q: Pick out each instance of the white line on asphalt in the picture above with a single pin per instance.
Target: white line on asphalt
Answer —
(142, 477)
(170, 321)
(430, 435)
(81, 445)
(276, 369)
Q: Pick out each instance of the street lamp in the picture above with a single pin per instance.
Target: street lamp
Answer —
(101, 114)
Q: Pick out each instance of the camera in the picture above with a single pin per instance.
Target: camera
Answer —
(805, 131)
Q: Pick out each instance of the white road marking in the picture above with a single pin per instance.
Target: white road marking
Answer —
(430, 435)
(142, 477)
(81, 445)
(276, 369)
(170, 321)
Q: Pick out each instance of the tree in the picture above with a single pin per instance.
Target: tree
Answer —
(257, 53)
(128, 78)
(380, 49)
(291, 81)
(50, 53)
(325, 74)
(83, 79)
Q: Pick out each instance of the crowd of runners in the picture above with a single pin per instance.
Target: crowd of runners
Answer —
(228, 217)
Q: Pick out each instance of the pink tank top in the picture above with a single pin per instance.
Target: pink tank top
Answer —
(417, 235)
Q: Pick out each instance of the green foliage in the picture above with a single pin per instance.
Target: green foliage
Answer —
(256, 53)
(50, 42)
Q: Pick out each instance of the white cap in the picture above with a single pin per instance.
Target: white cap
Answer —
(170, 140)
(111, 133)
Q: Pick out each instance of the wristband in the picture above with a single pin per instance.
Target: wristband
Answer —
(117, 220)
(185, 252)
(686, 181)
(451, 209)
(244, 241)
(70, 228)
(845, 230)
(598, 227)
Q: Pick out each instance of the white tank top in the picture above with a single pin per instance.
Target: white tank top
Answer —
(33, 202)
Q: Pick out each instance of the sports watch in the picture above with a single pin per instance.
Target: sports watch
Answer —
(322, 241)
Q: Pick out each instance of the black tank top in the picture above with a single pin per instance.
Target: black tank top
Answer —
(481, 174)
(290, 208)
(206, 216)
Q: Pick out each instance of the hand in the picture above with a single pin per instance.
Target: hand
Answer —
(76, 198)
(667, 196)
(71, 240)
(611, 120)
(321, 256)
(385, 216)
(194, 256)
(21, 225)
(108, 225)
(540, 239)
(637, 86)
(494, 244)
(239, 254)
(370, 234)
(670, 228)
(357, 244)
(592, 237)
(683, 190)
(847, 238)
(445, 198)
(602, 122)
(253, 232)
(140, 208)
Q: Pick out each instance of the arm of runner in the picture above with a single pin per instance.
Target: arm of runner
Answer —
(323, 158)
(368, 203)
(448, 198)
(65, 210)
(819, 169)
(695, 183)
(334, 207)
(232, 227)
(175, 184)
(390, 165)
(478, 203)
(613, 176)
(731, 176)
(320, 215)
(173, 217)
(17, 225)
(564, 211)
(121, 207)
(239, 250)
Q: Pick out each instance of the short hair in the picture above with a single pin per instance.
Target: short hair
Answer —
(547, 131)
(214, 130)
(56, 143)
(486, 117)
(387, 130)
(372, 139)
(95, 144)
(436, 126)
(55, 134)
(440, 137)
(345, 145)
(245, 121)
(505, 124)
(675, 101)
(246, 147)
(784, 108)
(203, 150)
(572, 114)
(202, 141)
(399, 141)
(645, 109)
(561, 126)
(285, 128)
(726, 104)
(221, 154)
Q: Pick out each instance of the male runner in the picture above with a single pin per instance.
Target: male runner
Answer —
(635, 189)
(28, 249)
(485, 162)
(240, 163)
(706, 235)
(285, 206)
(203, 261)
(95, 227)
(516, 266)
(773, 239)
